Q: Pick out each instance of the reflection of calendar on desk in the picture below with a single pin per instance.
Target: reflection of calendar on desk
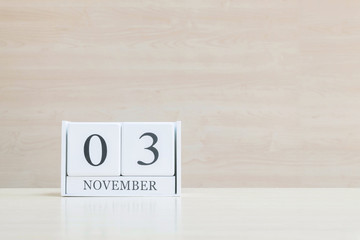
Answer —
(121, 159)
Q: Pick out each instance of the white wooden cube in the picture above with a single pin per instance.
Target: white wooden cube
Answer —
(148, 149)
(93, 149)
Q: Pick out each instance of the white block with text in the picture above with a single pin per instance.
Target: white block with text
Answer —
(93, 149)
(121, 159)
(148, 149)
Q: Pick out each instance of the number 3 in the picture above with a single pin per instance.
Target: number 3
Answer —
(151, 148)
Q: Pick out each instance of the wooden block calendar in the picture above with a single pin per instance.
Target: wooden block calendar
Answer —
(121, 159)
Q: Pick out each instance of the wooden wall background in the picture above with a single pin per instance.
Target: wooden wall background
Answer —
(268, 91)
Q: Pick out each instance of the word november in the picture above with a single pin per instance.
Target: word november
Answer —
(114, 185)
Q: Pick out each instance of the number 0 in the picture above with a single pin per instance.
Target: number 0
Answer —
(103, 150)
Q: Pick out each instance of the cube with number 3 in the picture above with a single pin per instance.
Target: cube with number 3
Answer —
(148, 149)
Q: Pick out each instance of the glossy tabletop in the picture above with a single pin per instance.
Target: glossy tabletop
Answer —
(203, 213)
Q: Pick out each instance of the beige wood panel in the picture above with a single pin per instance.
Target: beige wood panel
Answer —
(268, 91)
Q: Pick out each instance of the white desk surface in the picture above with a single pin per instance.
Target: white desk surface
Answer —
(198, 214)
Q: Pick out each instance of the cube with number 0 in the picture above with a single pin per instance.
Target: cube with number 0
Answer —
(93, 149)
(121, 159)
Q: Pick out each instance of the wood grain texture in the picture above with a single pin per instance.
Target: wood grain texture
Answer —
(268, 91)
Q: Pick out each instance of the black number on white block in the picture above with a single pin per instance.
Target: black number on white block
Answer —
(151, 148)
(103, 150)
